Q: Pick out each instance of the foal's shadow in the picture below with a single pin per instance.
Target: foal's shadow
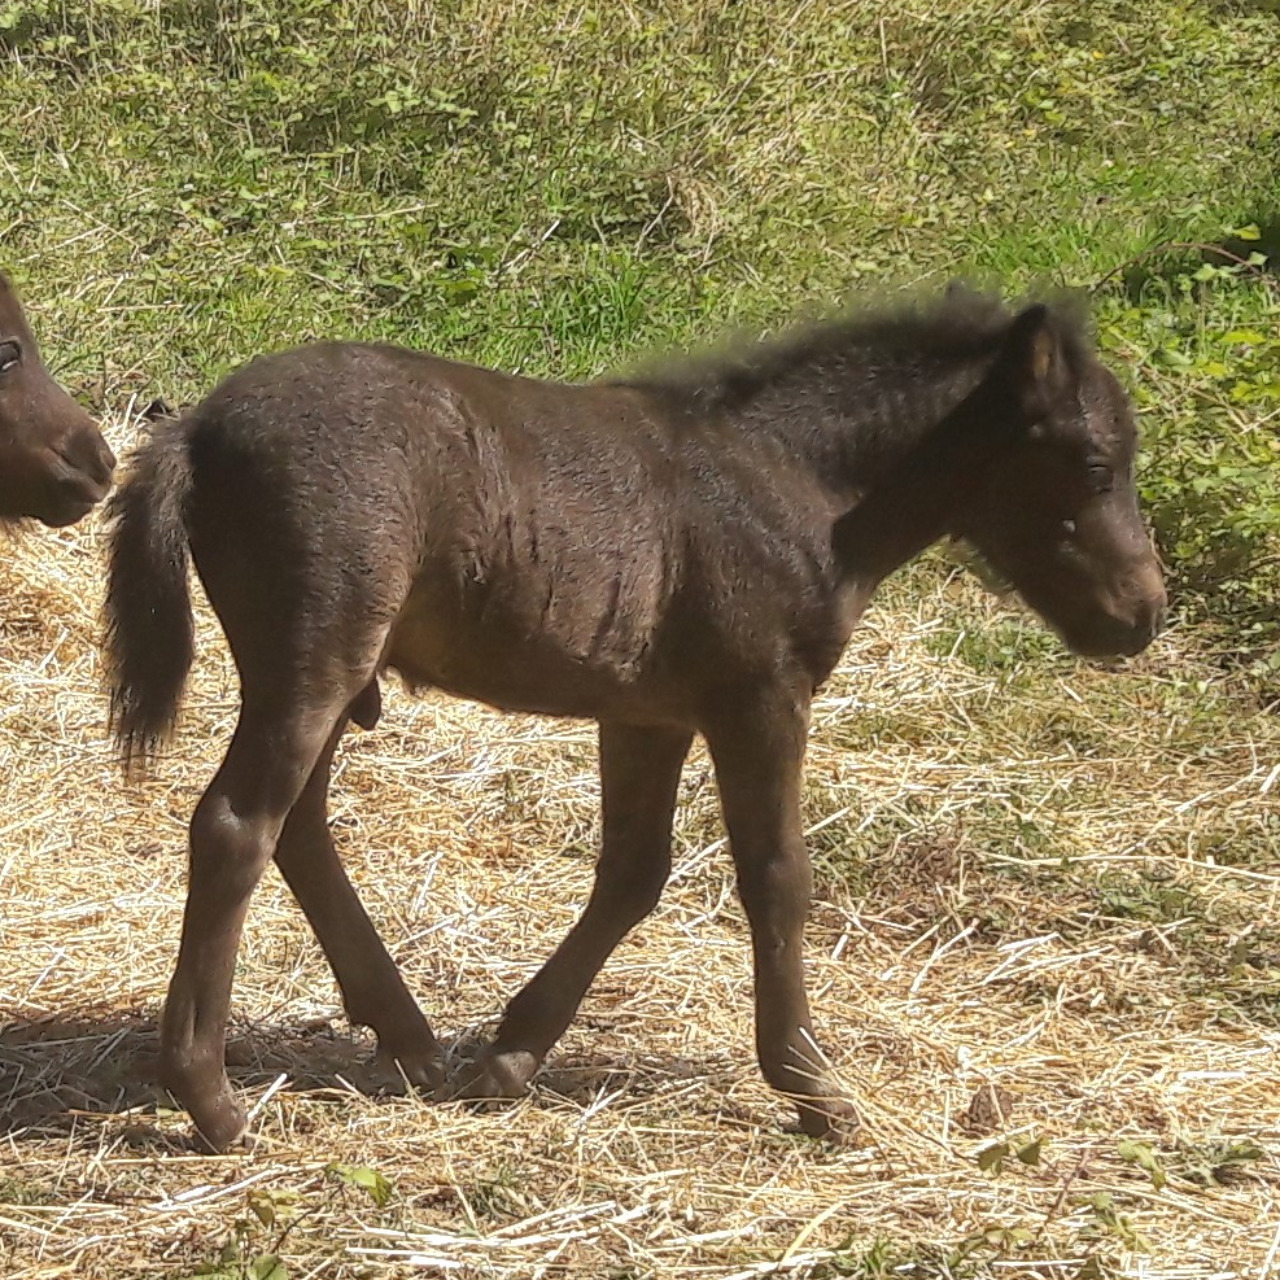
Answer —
(59, 1072)
(53, 1068)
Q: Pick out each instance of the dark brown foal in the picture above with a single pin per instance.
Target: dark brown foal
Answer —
(685, 554)
(54, 464)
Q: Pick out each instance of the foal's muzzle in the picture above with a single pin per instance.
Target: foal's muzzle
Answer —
(78, 475)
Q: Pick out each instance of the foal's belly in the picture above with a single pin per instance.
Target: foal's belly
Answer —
(599, 641)
(527, 654)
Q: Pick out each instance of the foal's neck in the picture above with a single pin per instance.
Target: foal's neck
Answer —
(889, 436)
(856, 417)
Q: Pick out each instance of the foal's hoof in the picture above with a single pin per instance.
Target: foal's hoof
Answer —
(832, 1120)
(219, 1122)
(420, 1065)
(495, 1077)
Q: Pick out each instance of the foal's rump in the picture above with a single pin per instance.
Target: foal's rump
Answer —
(298, 520)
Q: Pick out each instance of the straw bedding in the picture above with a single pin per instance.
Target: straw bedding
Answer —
(1026, 928)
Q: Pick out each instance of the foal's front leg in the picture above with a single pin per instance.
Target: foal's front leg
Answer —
(639, 777)
(757, 744)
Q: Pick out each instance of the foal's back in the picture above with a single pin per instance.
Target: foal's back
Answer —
(594, 550)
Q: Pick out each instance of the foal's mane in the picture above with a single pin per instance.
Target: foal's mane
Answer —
(963, 325)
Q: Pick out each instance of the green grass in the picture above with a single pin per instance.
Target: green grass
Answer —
(562, 187)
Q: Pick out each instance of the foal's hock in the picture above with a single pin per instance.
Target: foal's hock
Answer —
(681, 554)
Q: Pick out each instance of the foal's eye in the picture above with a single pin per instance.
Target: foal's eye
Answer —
(9, 356)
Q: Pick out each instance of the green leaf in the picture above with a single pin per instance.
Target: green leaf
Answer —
(263, 1208)
(380, 1188)
(268, 1267)
(1142, 1155)
(1249, 232)
(1030, 1154)
(991, 1158)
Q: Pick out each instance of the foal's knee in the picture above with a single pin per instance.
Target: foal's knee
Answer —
(776, 890)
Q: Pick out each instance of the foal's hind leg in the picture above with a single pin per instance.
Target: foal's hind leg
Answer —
(639, 776)
(758, 748)
(233, 835)
(373, 992)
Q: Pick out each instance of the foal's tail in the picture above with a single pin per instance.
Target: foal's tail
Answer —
(150, 635)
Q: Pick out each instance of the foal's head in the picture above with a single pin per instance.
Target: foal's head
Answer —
(1057, 511)
(54, 464)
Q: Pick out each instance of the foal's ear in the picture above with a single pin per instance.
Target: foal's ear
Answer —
(1035, 361)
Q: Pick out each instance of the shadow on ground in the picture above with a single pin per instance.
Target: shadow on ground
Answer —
(56, 1070)
(1164, 263)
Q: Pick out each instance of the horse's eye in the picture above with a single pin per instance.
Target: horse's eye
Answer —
(1100, 478)
(10, 354)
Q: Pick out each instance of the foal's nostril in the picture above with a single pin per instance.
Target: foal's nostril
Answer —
(1148, 623)
(89, 454)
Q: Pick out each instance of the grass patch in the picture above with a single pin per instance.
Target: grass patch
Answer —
(1005, 647)
(197, 183)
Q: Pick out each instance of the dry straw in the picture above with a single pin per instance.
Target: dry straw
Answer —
(1024, 931)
